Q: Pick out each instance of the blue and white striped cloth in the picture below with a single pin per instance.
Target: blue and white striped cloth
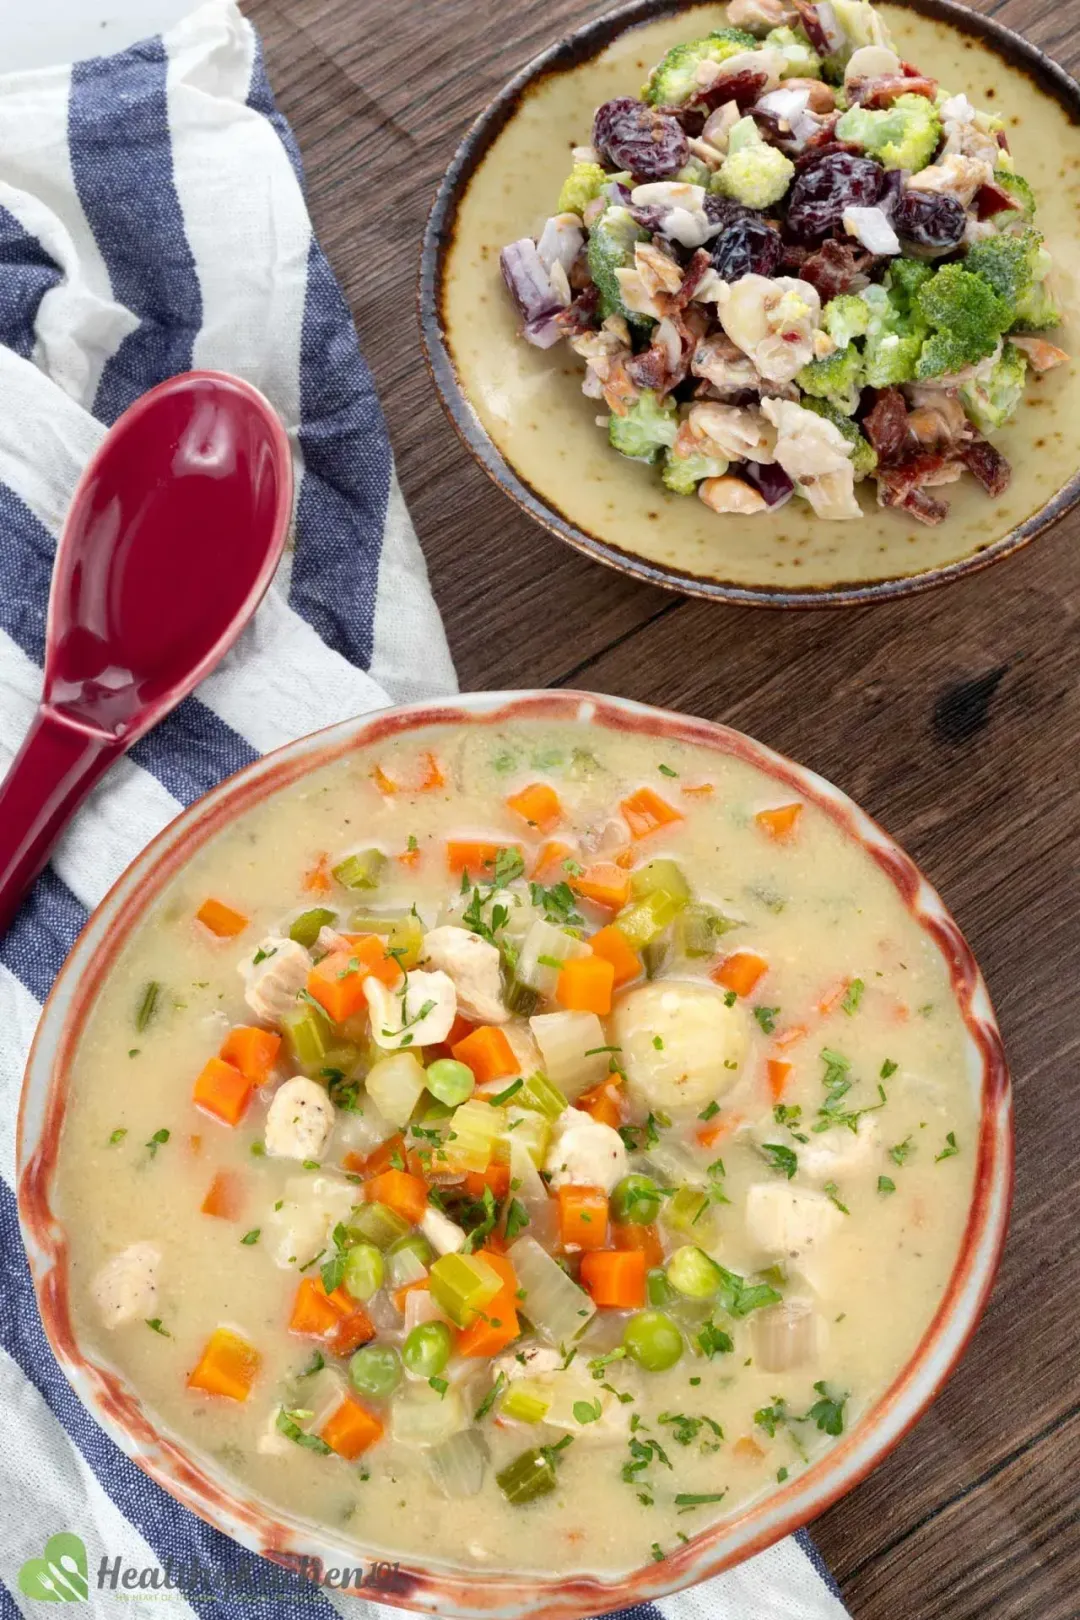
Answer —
(152, 220)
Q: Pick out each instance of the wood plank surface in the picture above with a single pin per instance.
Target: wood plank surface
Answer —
(953, 718)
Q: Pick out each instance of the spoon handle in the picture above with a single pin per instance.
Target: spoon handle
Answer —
(51, 775)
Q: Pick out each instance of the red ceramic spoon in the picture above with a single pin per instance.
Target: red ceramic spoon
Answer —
(174, 533)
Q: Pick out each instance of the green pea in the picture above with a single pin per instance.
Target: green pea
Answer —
(636, 1201)
(691, 1271)
(364, 1271)
(449, 1081)
(653, 1340)
(375, 1370)
(427, 1349)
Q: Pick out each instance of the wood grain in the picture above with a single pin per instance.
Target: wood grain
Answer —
(953, 718)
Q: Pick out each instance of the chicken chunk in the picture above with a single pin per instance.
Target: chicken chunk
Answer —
(444, 1235)
(584, 1153)
(475, 966)
(421, 1016)
(274, 978)
(125, 1288)
(787, 1220)
(681, 1043)
(312, 1207)
(831, 1155)
(299, 1120)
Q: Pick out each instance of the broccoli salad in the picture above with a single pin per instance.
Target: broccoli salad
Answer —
(795, 263)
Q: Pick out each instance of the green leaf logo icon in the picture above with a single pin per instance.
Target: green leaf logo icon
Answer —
(59, 1575)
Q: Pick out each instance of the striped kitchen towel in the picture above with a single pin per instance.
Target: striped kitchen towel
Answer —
(152, 220)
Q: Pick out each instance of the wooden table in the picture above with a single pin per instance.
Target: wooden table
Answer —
(953, 718)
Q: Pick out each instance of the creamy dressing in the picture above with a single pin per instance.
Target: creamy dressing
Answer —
(530, 401)
(815, 907)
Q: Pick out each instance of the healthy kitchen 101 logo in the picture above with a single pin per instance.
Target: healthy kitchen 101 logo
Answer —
(60, 1574)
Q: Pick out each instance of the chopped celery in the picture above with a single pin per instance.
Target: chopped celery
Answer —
(377, 1224)
(699, 927)
(655, 956)
(644, 920)
(689, 1211)
(403, 932)
(573, 1047)
(532, 1132)
(529, 1476)
(660, 877)
(474, 1130)
(307, 1036)
(306, 928)
(395, 1085)
(408, 1258)
(541, 1097)
(526, 1401)
(557, 1308)
(543, 951)
(691, 1271)
(362, 870)
(462, 1284)
(520, 998)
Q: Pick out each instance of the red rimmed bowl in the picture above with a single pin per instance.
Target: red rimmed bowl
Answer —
(520, 411)
(454, 1594)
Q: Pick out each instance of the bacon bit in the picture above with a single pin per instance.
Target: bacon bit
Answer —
(695, 274)
(836, 267)
(988, 465)
(991, 200)
(882, 92)
(743, 88)
(886, 426)
(581, 316)
(813, 27)
(1003, 140)
(318, 880)
(701, 790)
(926, 508)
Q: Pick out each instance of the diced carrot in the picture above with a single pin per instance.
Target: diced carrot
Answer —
(585, 985)
(612, 944)
(337, 984)
(475, 856)
(315, 1313)
(252, 1051)
(790, 1037)
(458, 1030)
(227, 1366)
(779, 1074)
(224, 1196)
(645, 811)
(537, 805)
(410, 859)
(194, 1144)
(700, 790)
(385, 784)
(375, 963)
(602, 1103)
(604, 883)
(351, 1430)
(626, 858)
(496, 1176)
(317, 879)
(781, 822)
(583, 1217)
(499, 1325)
(433, 776)
(615, 1278)
(833, 996)
(221, 919)
(400, 1295)
(352, 1331)
(740, 971)
(222, 1091)
(550, 863)
(747, 1448)
(645, 1238)
(711, 1134)
(488, 1053)
(389, 1155)
(398, 1191)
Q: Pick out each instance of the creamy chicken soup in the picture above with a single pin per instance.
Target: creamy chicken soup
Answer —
(519, 1148)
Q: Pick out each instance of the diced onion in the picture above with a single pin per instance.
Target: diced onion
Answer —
(573, 1046)
(421, 1416)
(419, 1308)
(458, 1465)
(395, 1085)
(545, 940)
(557, 1308)
(785, 1336)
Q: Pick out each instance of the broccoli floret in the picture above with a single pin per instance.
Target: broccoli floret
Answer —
(992, 402)
(903, 136)
(836, 379)
(611, 248)
(674, 79)
(894, 337)
(905, 278)
(1007, 262)
(695, 173)
(647, 428)
(683, 474)
(863, 455)
(969, 316)
(845, 317)
(801, 61)
(753, 173)
(584, 182)
(1023, 211)
(1036, 310)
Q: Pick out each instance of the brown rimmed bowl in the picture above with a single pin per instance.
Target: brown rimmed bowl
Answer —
(520, 410)
(456, 1593)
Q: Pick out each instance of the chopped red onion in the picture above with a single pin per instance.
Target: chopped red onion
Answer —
(530, 287)
(770, 481)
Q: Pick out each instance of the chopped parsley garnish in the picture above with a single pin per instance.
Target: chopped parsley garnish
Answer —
(827, 1412)
(852, 996)
(888, 1068)
(158, 1139)
(739, 1297)
(658, 1042)
(289, 1426)
(901, 1153)
(504, 1096)
(666, 770)
(439, 1385)
(333, 1271)
(117, 1135)
(147, 1005)
(517, 1219)
(885, 1184)
(412, 846)
(154, 1322)
(557, 903)
(713, 1341)
(832, 1192)
(780, 1158)
(686, 1429)
(491, 1397)
(692, 1499)
(710, 1110)
(316, 1364)
(251, 1237)
(658, 1553)
(950, 1149)
(636, 1138)
(263, 956)
(837, 1082)
(766, 1017)
(587, 1411)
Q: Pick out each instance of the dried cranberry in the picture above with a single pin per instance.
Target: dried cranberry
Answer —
(988, 464)
(884, 90)
(824, 188)
(836, 267)
(886, 426)
(747, 245)
(649, 143)
(932, 221)
(743, 88)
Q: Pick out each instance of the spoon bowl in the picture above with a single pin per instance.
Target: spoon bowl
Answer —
(174, 533)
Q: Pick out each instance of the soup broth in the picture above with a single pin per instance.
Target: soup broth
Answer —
(630, 1297)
